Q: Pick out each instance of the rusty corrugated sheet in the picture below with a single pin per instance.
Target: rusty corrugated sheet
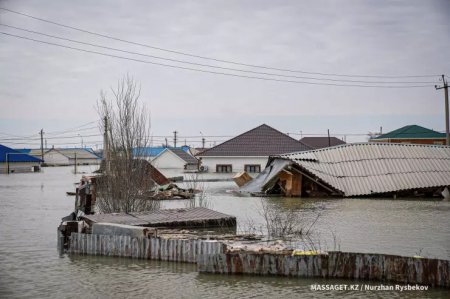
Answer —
(167, 217)
(371, 168)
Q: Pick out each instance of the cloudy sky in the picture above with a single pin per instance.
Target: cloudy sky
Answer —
(55, 88)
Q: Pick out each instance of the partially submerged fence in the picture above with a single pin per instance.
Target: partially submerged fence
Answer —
(177, 250)
(364, 266)
(211, 256)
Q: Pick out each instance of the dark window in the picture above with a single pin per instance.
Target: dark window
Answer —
(224, 168)
(255, 168)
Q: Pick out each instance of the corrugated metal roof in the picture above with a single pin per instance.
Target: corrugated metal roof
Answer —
(160, 217)
(411, 132)
(154, 151)
(183, 155)
(368, 168)
(82, 153)
(12, 155)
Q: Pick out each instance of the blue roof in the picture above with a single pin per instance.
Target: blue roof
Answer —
(154, 150)
(15, 155)
(24, 150)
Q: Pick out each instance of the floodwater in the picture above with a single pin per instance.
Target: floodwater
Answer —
(31, 206)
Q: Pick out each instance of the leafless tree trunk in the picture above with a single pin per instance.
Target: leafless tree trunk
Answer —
(122, 187)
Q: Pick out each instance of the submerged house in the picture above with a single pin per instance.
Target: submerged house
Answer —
(83, 156)
(412, 134)
(54, 157)
(359, 169)
(249, 151)
(65, 156)
(175, 158)
(151, 152)
(12, 160)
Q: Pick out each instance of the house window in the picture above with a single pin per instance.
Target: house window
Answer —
(439, 142)
(224, 168)
(252, 168)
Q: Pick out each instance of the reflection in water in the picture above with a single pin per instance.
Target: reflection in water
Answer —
(30, 266)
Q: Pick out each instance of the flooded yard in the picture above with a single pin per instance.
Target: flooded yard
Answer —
(32, 204)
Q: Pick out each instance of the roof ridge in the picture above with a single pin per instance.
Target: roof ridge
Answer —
(264, 125)
(207, 150)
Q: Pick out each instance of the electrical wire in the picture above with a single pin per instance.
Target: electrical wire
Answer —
(213, 66)
(214, 72)
(207, 58)
(67, 130)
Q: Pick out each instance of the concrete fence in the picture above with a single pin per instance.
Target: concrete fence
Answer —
(177, 250)
(377, 267)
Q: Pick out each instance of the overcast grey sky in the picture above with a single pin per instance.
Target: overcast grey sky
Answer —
(53, 88)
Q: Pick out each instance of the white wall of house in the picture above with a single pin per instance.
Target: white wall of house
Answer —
(85, 161)
(238, 163)
(168, 160)
(18, 167)
(55, 158)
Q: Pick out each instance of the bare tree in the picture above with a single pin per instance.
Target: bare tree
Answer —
(285, 224)
(125, 179)
(201, 198)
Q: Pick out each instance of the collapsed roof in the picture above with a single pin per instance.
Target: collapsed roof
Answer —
(365, 168)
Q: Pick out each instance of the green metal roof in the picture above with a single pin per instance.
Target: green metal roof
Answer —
(411, 132)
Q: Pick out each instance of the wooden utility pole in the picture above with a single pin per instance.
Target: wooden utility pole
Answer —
(106, 144)
(75, 164)
(175, 138)
(445, 87)
(42, 144)
(203, 142)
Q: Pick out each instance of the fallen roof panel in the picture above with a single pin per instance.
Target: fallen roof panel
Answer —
(368, 168)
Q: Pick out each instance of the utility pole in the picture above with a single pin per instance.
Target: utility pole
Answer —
(175, 138)
(203, 143)
(166, 141)
(329, 140)
(106, 145)
(42, 144)
(75, 164)
(445, 87)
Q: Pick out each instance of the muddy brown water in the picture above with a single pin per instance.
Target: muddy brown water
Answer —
(32, 204)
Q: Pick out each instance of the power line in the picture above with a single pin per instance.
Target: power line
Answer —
(213, 66)
(38, 138)
(209, 58)
(59, 143)
(73, 131)
(213, 72)
(74, 128)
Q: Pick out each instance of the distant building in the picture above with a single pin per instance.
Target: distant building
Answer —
(54, 157)
(175, 158)
(412, 134)
(65, 156)
(152, 152)
(249, 151)
(15, 161)
(83, 156)
(321, 142)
